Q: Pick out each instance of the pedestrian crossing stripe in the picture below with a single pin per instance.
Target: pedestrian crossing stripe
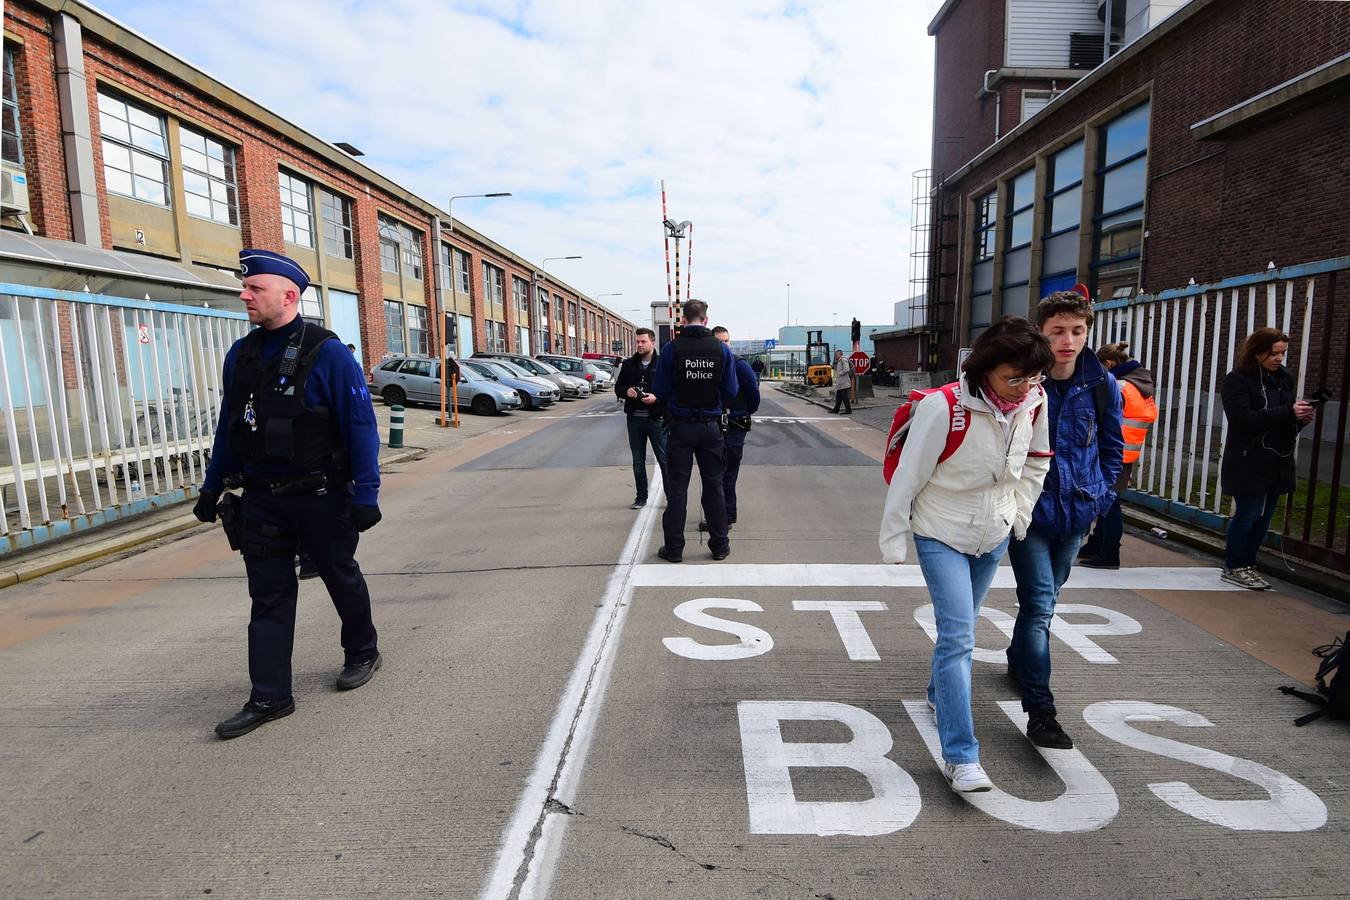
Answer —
(842, 575)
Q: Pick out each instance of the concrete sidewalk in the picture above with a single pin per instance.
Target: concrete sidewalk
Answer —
(421, 436)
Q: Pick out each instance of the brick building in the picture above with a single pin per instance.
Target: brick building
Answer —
(132, 173)
(1209, 144)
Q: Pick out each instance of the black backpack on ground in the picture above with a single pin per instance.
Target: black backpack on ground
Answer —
(1333, 683)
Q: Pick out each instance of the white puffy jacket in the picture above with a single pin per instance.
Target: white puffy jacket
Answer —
(987, 488)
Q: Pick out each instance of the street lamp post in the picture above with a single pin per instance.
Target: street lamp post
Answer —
(544, 262)
(440, 298)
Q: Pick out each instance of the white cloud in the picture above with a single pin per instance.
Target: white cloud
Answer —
(786, 131)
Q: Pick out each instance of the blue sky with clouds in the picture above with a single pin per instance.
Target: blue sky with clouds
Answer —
(786, 131)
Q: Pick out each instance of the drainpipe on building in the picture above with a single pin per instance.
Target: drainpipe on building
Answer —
(73, 96)
(985, 91)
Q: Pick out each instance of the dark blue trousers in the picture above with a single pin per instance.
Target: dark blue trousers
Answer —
(275, 528)
(734, 443)
(641, 431)
(691, 441)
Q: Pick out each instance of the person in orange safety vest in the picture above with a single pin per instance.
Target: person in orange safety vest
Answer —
(1102, 549)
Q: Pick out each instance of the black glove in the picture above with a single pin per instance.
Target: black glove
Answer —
(365, 517)
(205, 510)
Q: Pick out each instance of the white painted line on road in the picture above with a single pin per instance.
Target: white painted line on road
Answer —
(1173, 578)
(525, 859)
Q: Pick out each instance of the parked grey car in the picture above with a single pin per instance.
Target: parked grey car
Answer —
(570, 387)
(416, 379)
(534, 392)
(576, 367)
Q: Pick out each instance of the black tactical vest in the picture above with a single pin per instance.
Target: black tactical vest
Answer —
(698, 370)
(270, 424)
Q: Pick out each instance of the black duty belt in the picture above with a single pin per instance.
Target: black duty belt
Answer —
(710, 417)
(282, 486)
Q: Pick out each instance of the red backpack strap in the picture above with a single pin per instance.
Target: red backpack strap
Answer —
(957, 420)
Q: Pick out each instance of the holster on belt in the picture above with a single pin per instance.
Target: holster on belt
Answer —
(231, 514)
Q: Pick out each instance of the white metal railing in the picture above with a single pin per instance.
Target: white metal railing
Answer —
(106, 402)
(1189, 337)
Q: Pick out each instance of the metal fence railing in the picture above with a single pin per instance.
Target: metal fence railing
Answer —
(109, 406)
(1188, 338)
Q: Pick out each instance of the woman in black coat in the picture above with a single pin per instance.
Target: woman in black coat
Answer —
(1264, 418)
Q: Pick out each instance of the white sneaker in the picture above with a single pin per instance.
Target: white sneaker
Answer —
(967, 778)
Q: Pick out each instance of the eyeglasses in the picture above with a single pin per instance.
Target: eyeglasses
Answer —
(1019, 381)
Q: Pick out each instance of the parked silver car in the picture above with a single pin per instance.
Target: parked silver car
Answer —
(576, 367)
(570, 387)
(417, 379)
(534, 392)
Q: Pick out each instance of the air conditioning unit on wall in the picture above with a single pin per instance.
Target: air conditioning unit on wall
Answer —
(13, 192)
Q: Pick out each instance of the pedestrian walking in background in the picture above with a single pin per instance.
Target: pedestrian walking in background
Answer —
(739, 420)
(1139, 412)
(1264, 418)
(646, 415)
(757, 367)
(1083, 409)
(696, 379)
(959, 511)
(843, 383)
(297, 423)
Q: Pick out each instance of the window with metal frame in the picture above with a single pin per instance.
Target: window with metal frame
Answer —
(389, 245)
(135, 150)
(419, 336)
(336, 212)
(410, 242)
(1017, 242)
(209, 187)
(463, 270)
(493, 279)
(311, 304)
(393, 327)
(297, 210)
(520, 295)
(1063, 215)
(1118, 222)
(11, 133)
(982, 270)
(447, 263)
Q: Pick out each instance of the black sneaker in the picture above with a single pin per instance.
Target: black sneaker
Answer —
(669, 555)
(356, 674)
(721, 554)
(1044, 731)
(254, 713)
(639, 503)
(1095, 563)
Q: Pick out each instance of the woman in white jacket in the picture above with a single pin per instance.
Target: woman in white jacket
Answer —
(959, 512)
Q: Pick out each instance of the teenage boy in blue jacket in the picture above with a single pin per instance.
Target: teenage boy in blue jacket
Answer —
(1084, 407)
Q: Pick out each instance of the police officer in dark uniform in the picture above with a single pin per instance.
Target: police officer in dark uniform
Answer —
(298, 430)
(740, 412)
(695, 377)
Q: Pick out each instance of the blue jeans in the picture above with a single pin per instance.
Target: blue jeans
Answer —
(957, 582)
(1041, 565)
(1247, 529)
(642, 429)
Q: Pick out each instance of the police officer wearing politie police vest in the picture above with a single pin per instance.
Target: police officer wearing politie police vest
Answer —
(297, 424)
(696, 379)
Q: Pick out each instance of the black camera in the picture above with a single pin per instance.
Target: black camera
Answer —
(1322, 396)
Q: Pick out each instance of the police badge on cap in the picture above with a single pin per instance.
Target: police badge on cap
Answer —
(265, 262)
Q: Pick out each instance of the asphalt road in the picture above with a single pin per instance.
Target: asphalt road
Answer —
(561, 713)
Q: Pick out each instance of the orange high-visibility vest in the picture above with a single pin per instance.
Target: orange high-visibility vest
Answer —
(1137, 418)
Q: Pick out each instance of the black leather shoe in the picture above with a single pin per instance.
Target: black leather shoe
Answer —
(1094, 563)
(1044, 731)
(307, 569)
(669, 555)
(721, 554)
(356, 674)
(254, 713)
(703, 525)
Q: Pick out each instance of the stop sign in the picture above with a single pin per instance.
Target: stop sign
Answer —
(860, 362)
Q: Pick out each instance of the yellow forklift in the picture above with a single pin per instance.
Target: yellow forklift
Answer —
(819, 371)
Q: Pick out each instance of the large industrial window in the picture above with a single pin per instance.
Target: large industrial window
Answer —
(11, 142)
(337, 224)
(1017, 243)
(297, 213)
(520, 295)
(463, 271)
(1118, 226)
(389, 245)
(135, 150)
(311, 304)
(209, 186)
(447, 261)
(493, 283)
(1063, 212)
(982, 274)
(411, 244)
(419, 337)
(393, 326)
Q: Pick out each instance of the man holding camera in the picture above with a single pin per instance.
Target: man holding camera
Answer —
(646, 415)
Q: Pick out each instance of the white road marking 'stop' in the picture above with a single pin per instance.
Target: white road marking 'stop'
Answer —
(1172, 578)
